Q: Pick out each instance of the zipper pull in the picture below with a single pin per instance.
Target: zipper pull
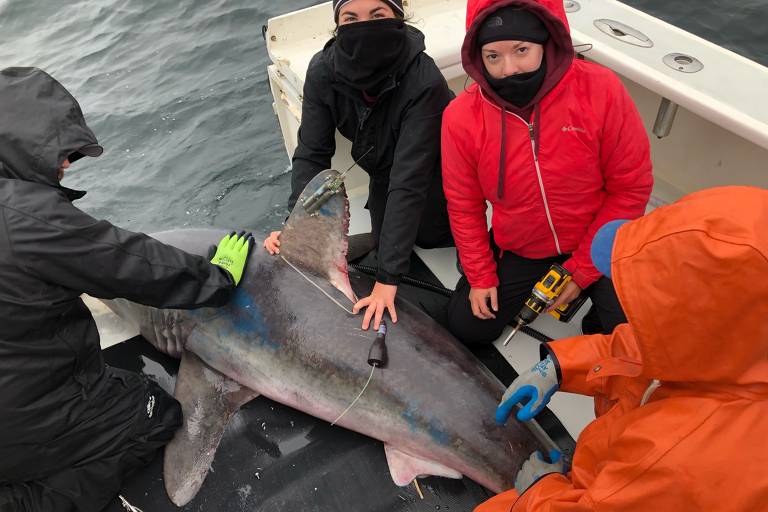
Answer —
(533, 142)
(364, 117)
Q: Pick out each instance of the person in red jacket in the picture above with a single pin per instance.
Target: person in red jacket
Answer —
(557, 147)
(681, 390)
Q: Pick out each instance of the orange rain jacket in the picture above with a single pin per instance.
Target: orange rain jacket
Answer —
(692, 280)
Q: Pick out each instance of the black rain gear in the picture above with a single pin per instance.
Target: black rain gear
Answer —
(65, 419)
(406, 198)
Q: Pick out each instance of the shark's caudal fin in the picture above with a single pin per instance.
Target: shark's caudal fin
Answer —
(208, 400)
(404, 468)
(317, 243)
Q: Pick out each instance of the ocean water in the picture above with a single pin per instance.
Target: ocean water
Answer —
(177, 93)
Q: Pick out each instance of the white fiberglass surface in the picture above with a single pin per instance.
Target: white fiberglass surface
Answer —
(112, 329)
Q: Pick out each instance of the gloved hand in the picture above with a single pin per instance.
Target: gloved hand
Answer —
(536, 467)
(232, 254)
(537, 385)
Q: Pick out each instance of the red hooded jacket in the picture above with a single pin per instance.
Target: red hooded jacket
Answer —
(691, 279)
(583, 160)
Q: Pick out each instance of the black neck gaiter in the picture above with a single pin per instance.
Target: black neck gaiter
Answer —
(367, 53)
(519, 89)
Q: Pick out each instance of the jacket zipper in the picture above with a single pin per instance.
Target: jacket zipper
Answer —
(541, 182)
(538, 171)
(363, 119)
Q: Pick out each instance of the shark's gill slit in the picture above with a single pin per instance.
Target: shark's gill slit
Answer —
(373, 368)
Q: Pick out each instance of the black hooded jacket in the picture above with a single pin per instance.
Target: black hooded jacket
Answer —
(56, 408)
(403, 127)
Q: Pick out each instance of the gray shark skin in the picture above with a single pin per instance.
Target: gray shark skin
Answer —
(284, 337)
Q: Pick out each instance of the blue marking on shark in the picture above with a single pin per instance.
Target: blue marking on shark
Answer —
(248, 319)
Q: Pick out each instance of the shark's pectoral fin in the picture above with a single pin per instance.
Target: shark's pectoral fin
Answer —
(208, 400)
(404, 468)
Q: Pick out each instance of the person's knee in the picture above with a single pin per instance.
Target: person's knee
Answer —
(434, 239)
(607, 305)
(469, 329)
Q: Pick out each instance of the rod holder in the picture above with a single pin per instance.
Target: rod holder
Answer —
(665, 118)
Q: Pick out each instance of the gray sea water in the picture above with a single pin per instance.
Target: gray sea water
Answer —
(177, 93)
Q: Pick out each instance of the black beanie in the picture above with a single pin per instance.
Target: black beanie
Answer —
(396, 5)
(512, 24)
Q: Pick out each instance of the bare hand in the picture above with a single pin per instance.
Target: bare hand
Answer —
(382, 297)
(571, 291)
(478, 298)
(272, 243)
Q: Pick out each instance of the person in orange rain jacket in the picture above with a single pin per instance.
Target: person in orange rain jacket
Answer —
(681, 390)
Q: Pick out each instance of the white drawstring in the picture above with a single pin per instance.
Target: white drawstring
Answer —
(653, 386)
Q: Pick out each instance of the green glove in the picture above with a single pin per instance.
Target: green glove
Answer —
(232, 254)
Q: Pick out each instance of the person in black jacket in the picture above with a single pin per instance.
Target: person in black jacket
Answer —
(374, 83)
(70, 427)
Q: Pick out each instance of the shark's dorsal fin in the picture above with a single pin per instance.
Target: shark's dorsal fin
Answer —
(404, 467)
(317, 243)
(208, 400)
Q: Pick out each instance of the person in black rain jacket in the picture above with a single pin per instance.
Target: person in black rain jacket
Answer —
(374, 83)
(70, 428)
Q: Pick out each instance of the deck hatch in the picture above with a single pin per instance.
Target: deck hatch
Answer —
(623, 32)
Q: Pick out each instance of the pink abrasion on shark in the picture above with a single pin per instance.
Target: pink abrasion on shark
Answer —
(288, 334)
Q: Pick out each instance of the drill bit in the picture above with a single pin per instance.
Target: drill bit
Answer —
(520, 323)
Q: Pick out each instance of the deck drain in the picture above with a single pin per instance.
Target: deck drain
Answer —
(571, 6)
(683, 63)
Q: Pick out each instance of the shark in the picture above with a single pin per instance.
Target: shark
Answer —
(289, 334)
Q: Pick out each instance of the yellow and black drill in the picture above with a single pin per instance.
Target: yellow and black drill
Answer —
(544, 293)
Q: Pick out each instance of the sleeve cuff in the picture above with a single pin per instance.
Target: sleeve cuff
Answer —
(384, 277)
(579, 277)
(544, 351)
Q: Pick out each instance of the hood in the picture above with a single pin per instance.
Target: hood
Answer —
(558, 49)
(691, 278)
(41, 126)
(415, 45)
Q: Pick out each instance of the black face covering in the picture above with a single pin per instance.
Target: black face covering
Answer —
(369, 52)
(519, 89)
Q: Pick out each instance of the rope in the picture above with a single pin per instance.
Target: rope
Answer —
(316, 286)
(373, 368)
(127, 506)
(653, 386)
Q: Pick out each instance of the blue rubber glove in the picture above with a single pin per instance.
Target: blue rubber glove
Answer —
(537, 386)
(536, 467)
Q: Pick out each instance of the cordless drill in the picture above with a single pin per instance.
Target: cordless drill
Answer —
(544, 293)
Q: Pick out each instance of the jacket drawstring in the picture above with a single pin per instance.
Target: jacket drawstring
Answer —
(653, 386)
(503, 156)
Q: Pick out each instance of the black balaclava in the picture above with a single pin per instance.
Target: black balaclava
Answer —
(515, 24)
(396, 5)
(519, 89)
(368, 53)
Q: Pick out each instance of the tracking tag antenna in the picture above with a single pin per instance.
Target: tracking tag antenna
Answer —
(329, 188)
